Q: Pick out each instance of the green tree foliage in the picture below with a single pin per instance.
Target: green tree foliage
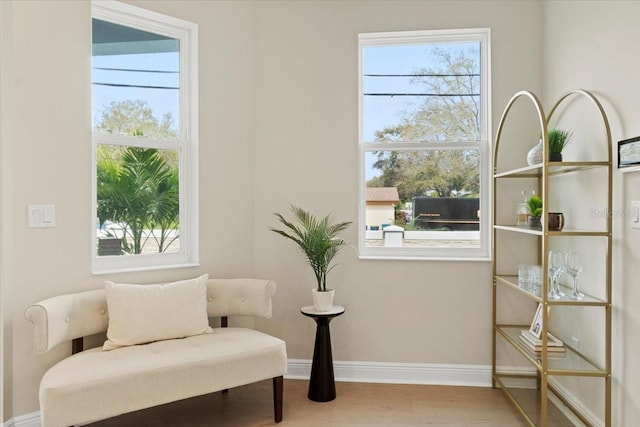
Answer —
(448, 173)
(140, 192)
(135, 117)
(453, 115)
(137, 187)
(165, 209)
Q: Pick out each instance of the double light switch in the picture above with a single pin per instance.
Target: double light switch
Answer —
(41, 216)
(635, 214)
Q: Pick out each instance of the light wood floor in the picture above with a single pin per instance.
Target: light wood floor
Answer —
(357, 404)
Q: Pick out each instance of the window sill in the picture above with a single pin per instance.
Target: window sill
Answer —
(422, 258)
(148, 268)
(131, 263)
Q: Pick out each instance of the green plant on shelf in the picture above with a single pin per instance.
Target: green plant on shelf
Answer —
(534, 206)
(559, 139)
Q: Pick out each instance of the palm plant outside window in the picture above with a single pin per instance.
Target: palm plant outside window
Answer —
(143, 139)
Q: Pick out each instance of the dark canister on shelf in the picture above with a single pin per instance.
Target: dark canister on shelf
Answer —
(556, 221)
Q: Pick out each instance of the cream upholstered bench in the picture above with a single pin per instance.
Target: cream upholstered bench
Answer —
(96, 384)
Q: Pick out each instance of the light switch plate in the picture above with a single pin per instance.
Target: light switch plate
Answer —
(40, 216)
(635, 214)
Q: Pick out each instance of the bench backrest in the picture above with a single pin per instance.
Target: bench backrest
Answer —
(67, 317)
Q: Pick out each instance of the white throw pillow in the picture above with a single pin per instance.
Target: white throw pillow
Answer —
(140, 314)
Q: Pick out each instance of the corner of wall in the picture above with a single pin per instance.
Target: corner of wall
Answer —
(6, 378)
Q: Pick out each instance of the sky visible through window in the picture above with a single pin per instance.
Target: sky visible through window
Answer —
(388, 69)
(397, 60)
(158, 70)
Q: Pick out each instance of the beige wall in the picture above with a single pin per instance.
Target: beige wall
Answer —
(49, 155)
(306, 106)
(429, 302)
(278, 114)
(5, 233)
(599, 52)
(278, 109)
(278, 125)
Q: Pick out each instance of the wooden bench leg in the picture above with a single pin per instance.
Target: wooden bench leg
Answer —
(278, 391)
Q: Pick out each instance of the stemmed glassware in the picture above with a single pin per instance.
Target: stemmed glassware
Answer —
(556, 268)
(574, 265)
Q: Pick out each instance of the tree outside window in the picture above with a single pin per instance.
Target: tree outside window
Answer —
(424, 132)
(143, 196)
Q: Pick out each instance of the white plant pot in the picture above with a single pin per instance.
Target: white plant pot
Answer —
(323, 300)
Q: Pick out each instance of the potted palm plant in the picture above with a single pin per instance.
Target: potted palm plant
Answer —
(318, 239)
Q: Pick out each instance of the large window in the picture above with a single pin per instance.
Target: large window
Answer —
(144, 113)
(425, 144)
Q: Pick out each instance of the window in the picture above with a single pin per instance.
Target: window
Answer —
(424, 145)
(144, 139)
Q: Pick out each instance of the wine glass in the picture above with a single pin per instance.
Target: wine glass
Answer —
(574, 265)
(556, 268)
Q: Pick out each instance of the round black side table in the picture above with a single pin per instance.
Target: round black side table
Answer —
(322, 385)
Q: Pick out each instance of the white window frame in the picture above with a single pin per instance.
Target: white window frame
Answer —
(187, 145)
(483, 145)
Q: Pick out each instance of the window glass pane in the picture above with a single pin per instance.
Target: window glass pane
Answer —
(421, 92)
(138, 200)
(144, 140)
(136, 81)
(432, 194)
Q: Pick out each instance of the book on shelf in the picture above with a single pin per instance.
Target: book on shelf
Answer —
(552, 340)
(554, 345)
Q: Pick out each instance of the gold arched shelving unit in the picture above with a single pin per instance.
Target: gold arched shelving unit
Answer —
(574, 363)
(523, 94)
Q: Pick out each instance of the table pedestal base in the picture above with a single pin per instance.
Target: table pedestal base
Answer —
(322, 386)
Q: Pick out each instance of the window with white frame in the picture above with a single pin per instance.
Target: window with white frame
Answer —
(424, 138)
(144, 139)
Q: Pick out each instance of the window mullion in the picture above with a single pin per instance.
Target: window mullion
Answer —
(129, 141)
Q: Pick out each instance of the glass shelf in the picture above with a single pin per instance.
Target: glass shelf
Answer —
(584, 233)
(559, 168)
(588, 300)
(527, 400)
(539, 232)
(519, 229)
(554, 168)
(524, 172)
(568, 363)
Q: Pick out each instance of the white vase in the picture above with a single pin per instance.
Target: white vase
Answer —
(323, 300)
(535, 155)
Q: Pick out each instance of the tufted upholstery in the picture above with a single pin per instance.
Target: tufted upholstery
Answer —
(240, 297)
(94, 384)
(67, 317)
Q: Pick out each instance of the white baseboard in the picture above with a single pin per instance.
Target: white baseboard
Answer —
(28, 420)
(399, 373)
(395, 373)
(585, 412)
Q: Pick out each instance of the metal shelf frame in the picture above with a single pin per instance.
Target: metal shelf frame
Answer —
(546, 364)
